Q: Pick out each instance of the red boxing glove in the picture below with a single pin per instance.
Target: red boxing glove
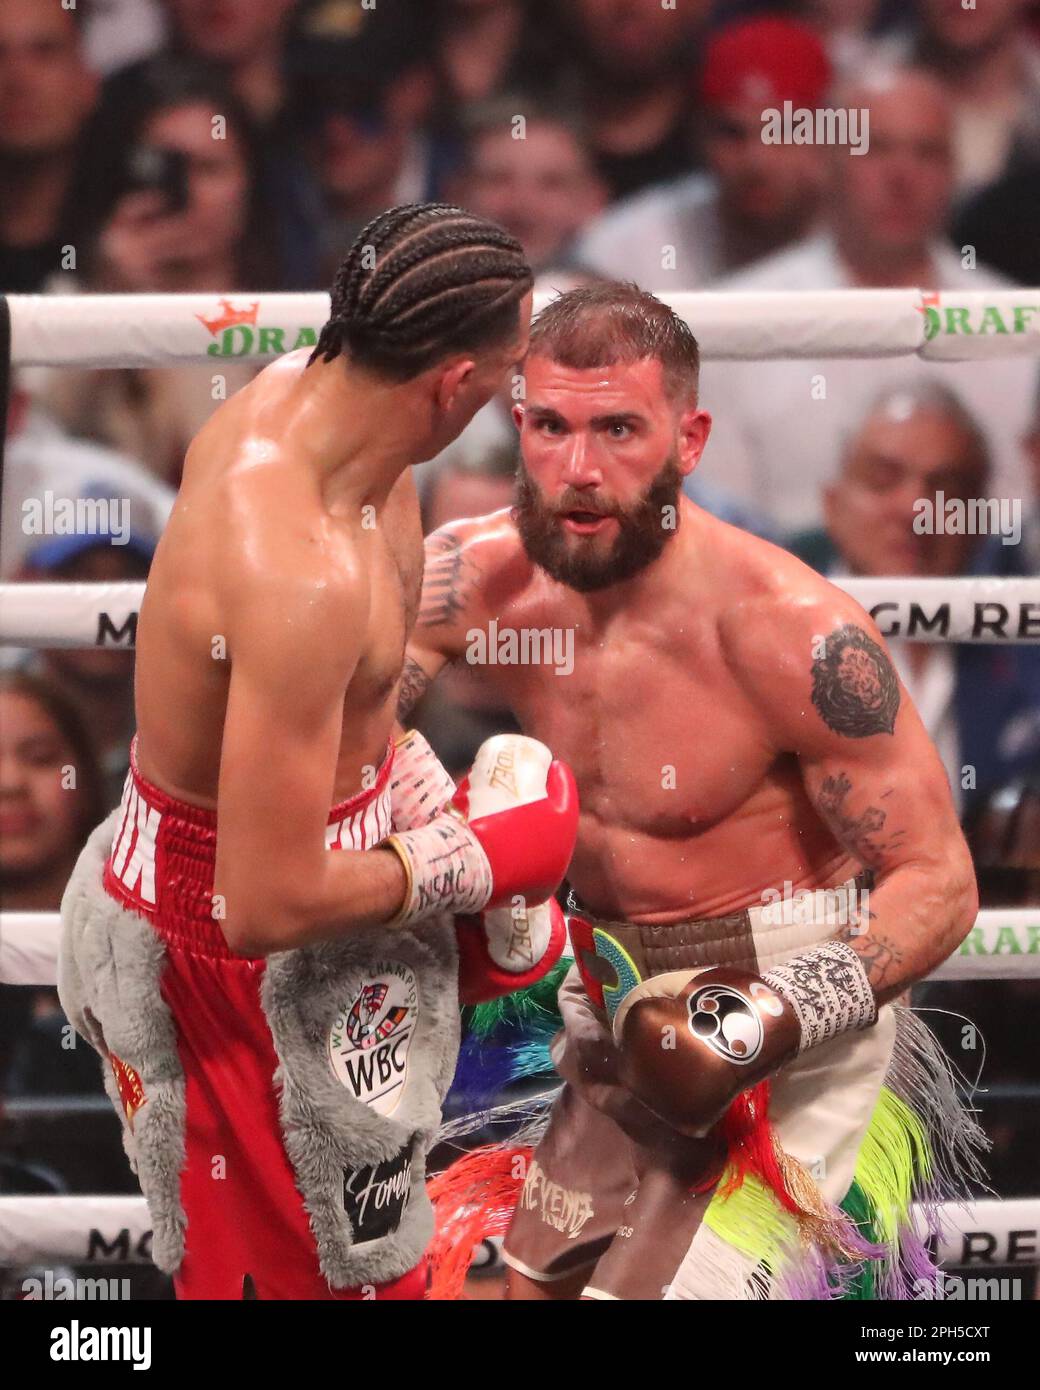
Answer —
(508, 948)
(508, 833)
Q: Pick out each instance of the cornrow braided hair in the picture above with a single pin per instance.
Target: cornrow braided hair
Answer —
(421, 281)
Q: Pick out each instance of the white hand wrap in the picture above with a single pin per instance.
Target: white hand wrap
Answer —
(828, 990)
(447, 869)
(419, 783)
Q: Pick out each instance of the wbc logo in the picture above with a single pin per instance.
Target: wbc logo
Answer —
(369, 1040)
(366, 1026)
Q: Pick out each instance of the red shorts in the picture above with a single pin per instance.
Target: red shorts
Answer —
(245, 1215)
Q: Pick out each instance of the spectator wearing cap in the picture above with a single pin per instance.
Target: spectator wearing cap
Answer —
(780, 425)
(630, 75)
(46, 94)
(75, 512)
(529, 169)
(753, 198)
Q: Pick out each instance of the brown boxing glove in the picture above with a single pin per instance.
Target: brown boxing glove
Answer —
(692, 1041)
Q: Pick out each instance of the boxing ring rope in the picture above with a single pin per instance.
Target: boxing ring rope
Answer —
(148, 330)
(921, 610)
(99, 331)
(1004, 944)
(95, 1230)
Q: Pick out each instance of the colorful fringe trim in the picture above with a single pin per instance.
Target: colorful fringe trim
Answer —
(767, 1232)
(506, 1041)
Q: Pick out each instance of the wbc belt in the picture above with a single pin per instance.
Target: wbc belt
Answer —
(613, 957)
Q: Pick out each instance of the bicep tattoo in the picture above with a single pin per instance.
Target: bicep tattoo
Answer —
(854, 687)
(414, 683)
(449, 578)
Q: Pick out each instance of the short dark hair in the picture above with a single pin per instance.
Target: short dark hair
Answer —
(420, 282)
(615, 321)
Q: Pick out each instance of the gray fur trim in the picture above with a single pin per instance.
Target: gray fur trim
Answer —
(109, 971)
(326, 1129)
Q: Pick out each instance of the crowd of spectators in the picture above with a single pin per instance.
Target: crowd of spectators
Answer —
(614, 138)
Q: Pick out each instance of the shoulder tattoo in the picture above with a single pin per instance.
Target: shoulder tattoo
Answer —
(449, 578)
(854, 687)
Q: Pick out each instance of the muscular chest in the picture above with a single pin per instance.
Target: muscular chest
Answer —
(395, 579)
(658, 734)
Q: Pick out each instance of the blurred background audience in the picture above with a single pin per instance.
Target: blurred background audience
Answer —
(752, 198)
(780, 424)
(51, 796)
(47, 91)
(225, 146)
(979, 702)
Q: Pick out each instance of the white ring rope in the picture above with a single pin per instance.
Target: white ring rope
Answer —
(86, 1230)
(1002, 611)
(1004, 944)
(147, 330)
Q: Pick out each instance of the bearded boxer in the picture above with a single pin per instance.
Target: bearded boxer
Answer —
(741, 745)
(279, 1023)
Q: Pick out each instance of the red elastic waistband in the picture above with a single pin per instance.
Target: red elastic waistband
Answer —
(164, 852)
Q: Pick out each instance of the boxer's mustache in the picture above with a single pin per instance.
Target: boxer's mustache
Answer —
(575, 502)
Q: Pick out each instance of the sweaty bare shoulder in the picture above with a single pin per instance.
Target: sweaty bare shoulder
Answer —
(287, 565)
(805, 652)
(471, 566)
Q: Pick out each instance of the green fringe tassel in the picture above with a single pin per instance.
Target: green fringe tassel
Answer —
(522, 1008)
(858, 1208)
(893, 1157)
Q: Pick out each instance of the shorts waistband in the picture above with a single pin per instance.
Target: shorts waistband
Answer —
(619, 955)
(164, 851)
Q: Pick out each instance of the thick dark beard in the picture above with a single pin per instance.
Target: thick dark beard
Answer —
(641, 538)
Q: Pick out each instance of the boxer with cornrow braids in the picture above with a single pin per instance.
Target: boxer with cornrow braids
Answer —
(237, 978)
(419, 282)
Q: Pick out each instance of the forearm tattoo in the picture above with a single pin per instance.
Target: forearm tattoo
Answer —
(882, 959)
(865, 836)
(861, 834)
(414, 682)
(449, 578)
(854, 687)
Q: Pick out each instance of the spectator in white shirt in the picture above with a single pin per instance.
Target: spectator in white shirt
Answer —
(754, 198)
(779, 425)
